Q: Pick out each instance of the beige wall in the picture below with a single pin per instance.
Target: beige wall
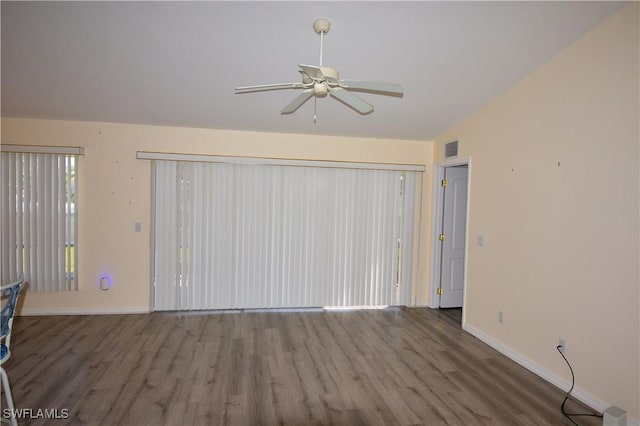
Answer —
(555, 192)
(114, 193)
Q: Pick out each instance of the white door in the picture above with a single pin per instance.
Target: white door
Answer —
(453, 237)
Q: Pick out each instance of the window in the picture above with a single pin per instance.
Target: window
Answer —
(39, 216)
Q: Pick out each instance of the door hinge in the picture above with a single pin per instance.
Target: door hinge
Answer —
(441, 237)
(440, 291)
(444, 182)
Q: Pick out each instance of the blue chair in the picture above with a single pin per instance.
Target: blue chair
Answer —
(10, 292)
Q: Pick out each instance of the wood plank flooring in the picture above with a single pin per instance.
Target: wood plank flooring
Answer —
(375, 367)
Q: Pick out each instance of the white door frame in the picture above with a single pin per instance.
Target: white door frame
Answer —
(436, 227)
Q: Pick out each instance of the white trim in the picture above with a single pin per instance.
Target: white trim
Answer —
(417, 240)
(450, 162)
(551, 377)
(152, 239)
(40, 149)
(436, 226)
(145, 155)
(83, 311)
(467, 239)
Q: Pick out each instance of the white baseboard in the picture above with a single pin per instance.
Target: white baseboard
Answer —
(83, 311)
(578, 393)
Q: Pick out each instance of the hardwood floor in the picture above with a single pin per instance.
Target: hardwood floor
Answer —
(376, 367)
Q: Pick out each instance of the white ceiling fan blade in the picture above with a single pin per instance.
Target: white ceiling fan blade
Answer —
(297, 102)
(351, 100)
(277, 86)
(374, 86)
(312, 71)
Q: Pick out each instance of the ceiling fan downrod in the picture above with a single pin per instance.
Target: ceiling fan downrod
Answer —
(321, 27)
(321, 45)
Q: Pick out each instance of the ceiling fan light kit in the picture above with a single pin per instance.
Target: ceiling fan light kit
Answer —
(320, 81)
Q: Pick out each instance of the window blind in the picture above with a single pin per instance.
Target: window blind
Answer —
(39, 219)
(233, 236)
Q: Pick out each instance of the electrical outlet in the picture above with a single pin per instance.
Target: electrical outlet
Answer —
(500, 316)
(562, 345)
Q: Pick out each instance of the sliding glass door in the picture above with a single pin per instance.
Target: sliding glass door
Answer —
(230, 236)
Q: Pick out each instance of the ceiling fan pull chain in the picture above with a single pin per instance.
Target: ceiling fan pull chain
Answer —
(315, 108)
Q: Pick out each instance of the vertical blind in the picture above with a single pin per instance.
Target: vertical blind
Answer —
(264, 236)
(39, 220)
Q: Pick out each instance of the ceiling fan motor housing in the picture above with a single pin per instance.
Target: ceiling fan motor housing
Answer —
(320, 90)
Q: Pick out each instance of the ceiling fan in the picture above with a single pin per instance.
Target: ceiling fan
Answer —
(320, 81)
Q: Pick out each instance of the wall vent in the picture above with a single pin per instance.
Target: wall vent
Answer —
(451, 149)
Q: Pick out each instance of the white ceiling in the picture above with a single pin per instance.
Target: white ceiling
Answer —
(176, 63)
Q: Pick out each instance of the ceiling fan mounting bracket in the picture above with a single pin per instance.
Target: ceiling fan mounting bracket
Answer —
(321, 26)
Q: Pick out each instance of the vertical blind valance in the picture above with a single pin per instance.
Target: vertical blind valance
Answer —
(266, 236)
(265, 161)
